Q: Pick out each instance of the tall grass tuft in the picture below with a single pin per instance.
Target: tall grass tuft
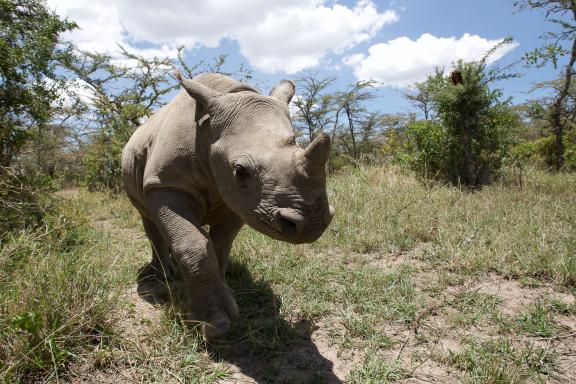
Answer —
(54, 296)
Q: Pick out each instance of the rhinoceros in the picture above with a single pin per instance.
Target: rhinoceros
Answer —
(221, 155)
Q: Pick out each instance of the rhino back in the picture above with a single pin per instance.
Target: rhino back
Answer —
(167, 151)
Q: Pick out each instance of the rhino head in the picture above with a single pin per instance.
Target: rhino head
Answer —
(275, 186)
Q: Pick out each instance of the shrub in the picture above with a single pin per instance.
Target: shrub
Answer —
(431, 148)
(23, 199)
(542, 152)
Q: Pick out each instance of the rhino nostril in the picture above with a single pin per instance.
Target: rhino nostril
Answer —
(287, 225)
(289, 221)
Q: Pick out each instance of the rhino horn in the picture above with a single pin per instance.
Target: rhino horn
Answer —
(201, 93)
(316, 153)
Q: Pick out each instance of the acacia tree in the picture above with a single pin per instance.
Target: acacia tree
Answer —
(421, 97)
(351, 102)
(562, 13)
(123, 94)
(314, 104)
(121, 97)
(31, 53)
(371, 124)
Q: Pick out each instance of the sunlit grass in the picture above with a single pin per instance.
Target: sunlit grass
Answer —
(61, 286)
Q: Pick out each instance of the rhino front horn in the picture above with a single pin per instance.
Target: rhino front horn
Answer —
(317, 152)
(201, 93)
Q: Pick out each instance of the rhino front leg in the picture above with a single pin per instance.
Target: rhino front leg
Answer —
(223, 231)
(207, 296)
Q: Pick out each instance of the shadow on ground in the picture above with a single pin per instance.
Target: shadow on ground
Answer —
(264, 347)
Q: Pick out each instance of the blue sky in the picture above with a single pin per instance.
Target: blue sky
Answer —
(395, 42)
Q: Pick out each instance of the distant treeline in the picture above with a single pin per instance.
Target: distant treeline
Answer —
(66, 114)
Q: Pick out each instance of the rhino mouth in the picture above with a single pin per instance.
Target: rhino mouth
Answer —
(285, 230)
(271, 228)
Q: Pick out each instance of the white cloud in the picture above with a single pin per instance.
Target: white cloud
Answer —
(101, 28)
(402, 61)
(298, 38)
(274, 35)
(292, 106)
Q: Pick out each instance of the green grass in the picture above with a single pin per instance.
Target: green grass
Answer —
(473, 307)
(501, 362)
(62, 286)
(376, 370)
(538, 320)
(55, 295)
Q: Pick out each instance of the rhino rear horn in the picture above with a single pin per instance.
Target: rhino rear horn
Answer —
(317, 152)
(284, 91)
(201, 93)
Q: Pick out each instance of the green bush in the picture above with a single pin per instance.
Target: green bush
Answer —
(541, 152)
(23, 199)
(102, 162)
(54, 296)
(339, 162)
(431, 148)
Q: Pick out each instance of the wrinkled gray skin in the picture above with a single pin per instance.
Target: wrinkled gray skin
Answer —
(220, 154)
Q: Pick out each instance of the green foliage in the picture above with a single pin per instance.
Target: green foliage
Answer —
(542, 152)
(54, 296)
(476, 122)
(500, 361)
(23, 200)
(562, 14)
(431, 149)
(470, 137)
(548, 53)
(102, 160)
(29, 82)
(340, 162)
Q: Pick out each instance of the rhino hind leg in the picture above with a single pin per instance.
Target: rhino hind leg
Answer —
(207, 299)
(161, 265)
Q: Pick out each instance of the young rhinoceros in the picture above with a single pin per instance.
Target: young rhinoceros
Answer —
(220, 154)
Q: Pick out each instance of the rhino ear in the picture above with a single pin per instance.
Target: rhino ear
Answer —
(284, 91)
(201, 93)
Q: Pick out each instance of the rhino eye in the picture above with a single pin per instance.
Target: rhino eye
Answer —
(241, 172)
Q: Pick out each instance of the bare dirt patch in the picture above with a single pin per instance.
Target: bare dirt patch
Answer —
(342, 361)
(309, 357)
(516, 297)
(412, 258)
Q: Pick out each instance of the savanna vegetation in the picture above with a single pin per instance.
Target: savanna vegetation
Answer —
(451, 257)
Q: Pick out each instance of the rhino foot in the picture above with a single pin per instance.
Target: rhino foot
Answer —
(215, 313)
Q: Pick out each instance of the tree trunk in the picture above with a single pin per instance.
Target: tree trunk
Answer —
(557, 122)
(333, 141)
(351, 128)
(468, 153)
(5, 156)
